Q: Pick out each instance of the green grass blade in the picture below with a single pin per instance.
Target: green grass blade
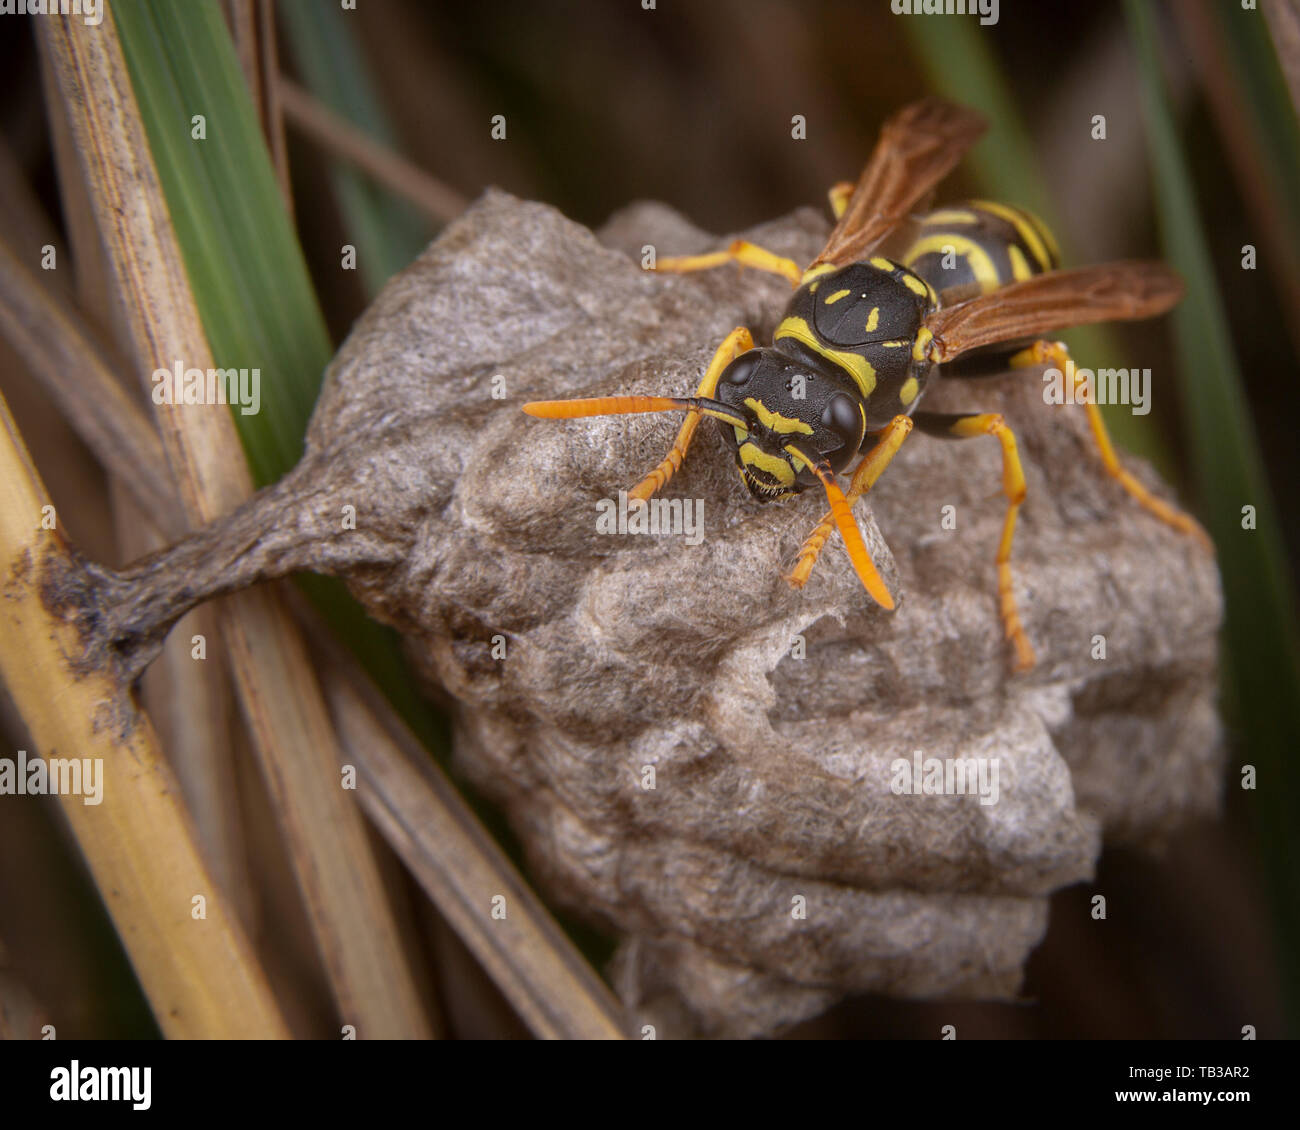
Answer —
(387, 232)
(1263, 654)
(246, 269)
(1260, 81)
(256, 300)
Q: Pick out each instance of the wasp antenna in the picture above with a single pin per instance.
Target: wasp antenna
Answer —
(628, 405)
(844, 522)
(603, 406)
(719, 411)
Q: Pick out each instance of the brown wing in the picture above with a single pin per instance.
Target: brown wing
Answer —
(918, 147)
(1126, 291)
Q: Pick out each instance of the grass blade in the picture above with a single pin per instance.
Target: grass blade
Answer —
(202, 980)
(1264, 658)
(387, 232)
(247, 271)
(342, 891)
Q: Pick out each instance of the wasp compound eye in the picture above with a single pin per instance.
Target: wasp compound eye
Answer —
(842, 419)
(741, 370)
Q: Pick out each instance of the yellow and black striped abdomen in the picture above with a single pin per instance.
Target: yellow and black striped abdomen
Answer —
(979, 246)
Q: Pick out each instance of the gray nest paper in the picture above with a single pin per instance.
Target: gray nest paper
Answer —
(774, 866)
(713, 766)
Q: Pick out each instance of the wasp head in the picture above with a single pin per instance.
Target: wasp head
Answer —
(791, 409)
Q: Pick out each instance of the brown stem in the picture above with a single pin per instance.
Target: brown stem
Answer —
(124, 615)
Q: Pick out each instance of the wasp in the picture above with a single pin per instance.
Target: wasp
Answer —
(971, 291)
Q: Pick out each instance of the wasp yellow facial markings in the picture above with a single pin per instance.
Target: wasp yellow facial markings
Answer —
(795, 453)
(981, 265)
(858, 367)
(813, 272)
(782, 425)
(908, 392)
(921, 346)
(1019, 266)
(773, 465)
(834, 297)
(873, 320)
(1030, 229)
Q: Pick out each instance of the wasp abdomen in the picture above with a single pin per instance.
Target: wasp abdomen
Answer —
(979, 246)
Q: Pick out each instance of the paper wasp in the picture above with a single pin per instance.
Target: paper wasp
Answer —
(863, 335)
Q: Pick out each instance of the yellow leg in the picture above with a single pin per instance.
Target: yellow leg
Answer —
(736, 343)
(840, 196)
(1013, 486)
(742, 252)
(1055, 353)
(864, 478)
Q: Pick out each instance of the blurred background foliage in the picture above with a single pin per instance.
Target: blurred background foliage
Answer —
(690, 103)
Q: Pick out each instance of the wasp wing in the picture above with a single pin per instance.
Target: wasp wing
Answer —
(1127, 291)
(918, 147)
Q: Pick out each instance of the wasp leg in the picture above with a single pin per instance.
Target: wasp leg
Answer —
(741, 251)
(1055, 353)
(840, 195)
(964, 426)
(864, 478)
(737, 342)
